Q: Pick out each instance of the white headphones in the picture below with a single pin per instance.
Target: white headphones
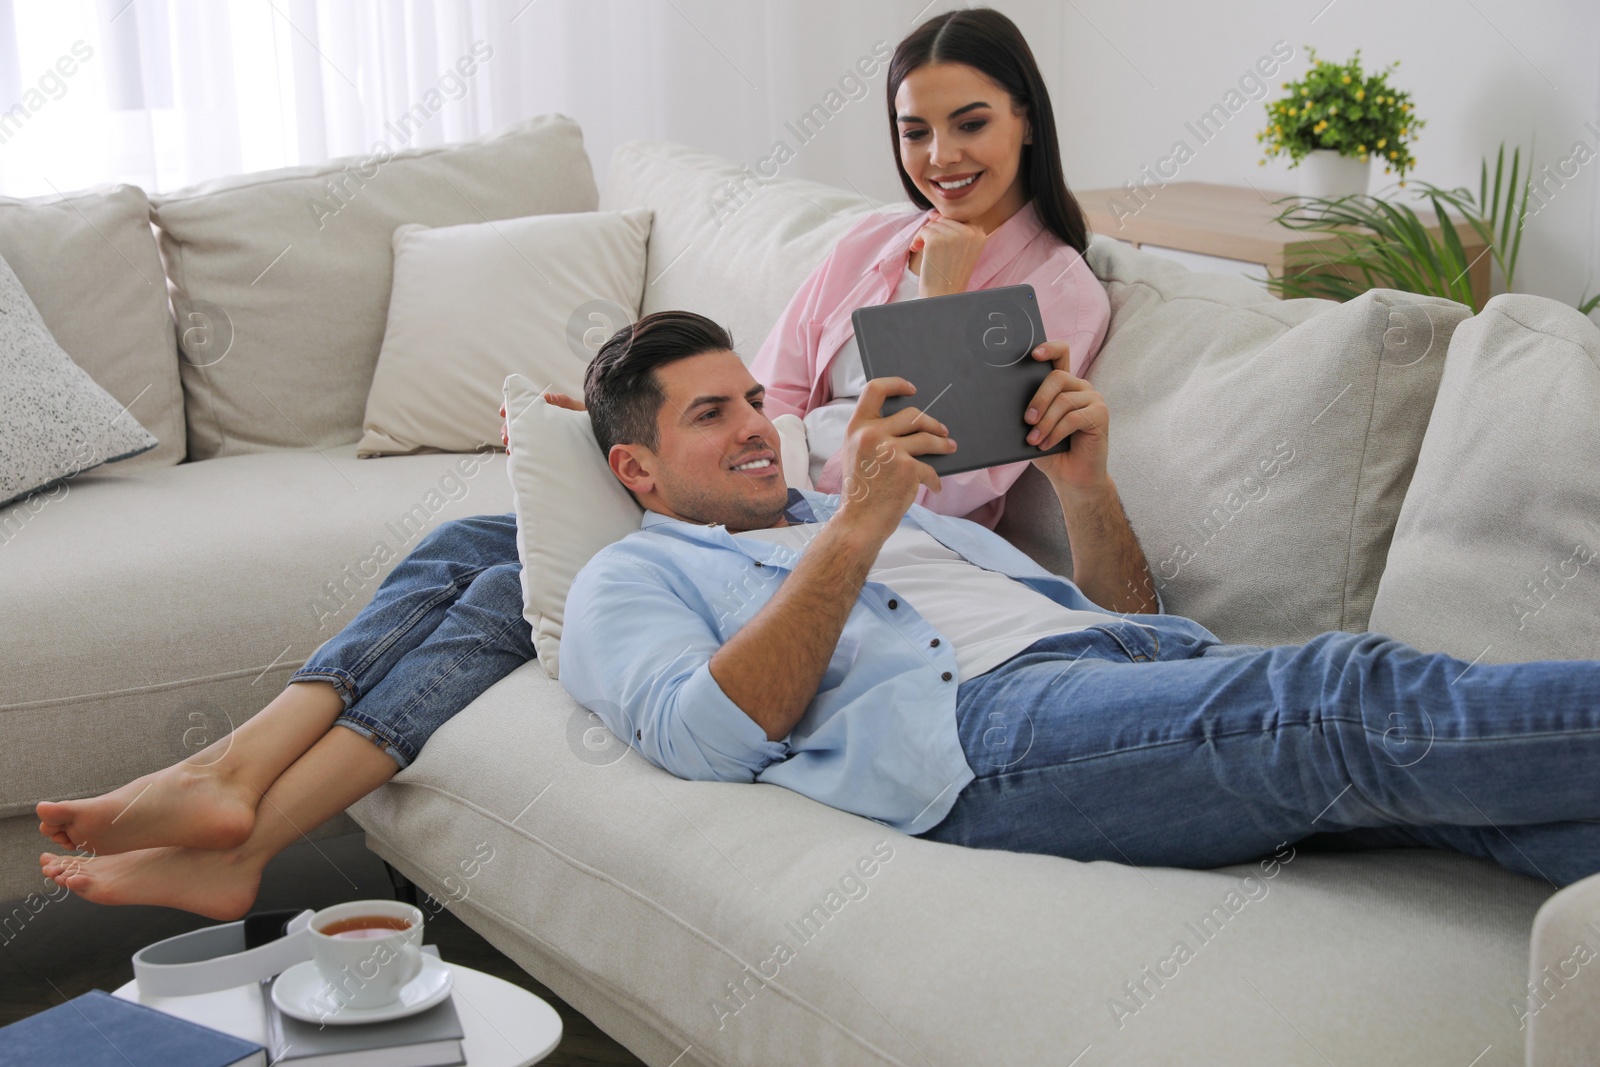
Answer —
(221, 957)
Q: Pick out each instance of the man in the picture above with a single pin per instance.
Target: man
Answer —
(875, 656)
(920, 671)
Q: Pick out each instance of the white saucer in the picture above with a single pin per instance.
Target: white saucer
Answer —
(301, 993)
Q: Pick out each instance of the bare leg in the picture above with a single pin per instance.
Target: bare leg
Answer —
(339, 769)
(209, 800)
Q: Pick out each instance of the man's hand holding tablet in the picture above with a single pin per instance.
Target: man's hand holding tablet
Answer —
(1066, 404)
(881, 468)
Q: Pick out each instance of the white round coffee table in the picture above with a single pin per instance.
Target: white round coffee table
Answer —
(504, 1026)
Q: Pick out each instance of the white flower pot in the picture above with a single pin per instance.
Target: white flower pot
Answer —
(1326, 173)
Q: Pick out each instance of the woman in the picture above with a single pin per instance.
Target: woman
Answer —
(976, 148)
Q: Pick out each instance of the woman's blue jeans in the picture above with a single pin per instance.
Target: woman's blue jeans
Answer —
(444, 625)
(1157, 744)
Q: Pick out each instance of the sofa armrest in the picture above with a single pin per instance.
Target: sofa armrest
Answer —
(1562, 1017)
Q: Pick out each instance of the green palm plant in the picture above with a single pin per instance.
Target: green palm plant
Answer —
(1385, 243)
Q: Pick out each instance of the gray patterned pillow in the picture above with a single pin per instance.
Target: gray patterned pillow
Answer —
(54, 420)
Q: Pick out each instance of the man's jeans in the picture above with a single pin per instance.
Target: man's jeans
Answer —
(1162, 746)
(445, 625)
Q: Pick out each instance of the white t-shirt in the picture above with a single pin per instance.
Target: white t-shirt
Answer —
(987, 616)
(826, 425)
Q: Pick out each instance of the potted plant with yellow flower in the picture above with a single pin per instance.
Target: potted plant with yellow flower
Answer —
(1335, 121)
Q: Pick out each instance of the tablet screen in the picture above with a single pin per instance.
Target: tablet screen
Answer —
(969, 355)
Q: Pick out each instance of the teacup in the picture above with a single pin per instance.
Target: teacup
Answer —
(365, 963)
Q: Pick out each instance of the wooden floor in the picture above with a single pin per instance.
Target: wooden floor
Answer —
(71, 947)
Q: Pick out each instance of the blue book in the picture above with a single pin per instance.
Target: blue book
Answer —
(99, 1030)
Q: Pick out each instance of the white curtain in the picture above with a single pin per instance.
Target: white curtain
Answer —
(167, 93)
(170, 92)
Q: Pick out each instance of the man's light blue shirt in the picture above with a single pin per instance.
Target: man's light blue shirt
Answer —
(647, 613)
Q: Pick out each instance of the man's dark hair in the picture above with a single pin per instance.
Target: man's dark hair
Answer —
(620, 387)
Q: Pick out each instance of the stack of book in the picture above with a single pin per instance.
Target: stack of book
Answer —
(99, 1030)
(430, 1038)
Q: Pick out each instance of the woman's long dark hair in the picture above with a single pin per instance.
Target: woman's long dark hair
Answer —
(987, 41)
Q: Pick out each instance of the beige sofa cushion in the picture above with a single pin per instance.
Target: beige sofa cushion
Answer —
(1496, 557)
(290, 270)
(1262, 448)
(656, 906)
(89, 263)
(724, 244)
(165, 606)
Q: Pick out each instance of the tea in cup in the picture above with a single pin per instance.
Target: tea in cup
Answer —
(366, 951)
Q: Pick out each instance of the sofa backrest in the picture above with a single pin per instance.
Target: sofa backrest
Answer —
(281, 279)
(727, 242)
(1261, 447)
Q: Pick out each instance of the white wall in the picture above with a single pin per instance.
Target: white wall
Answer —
(730, 76)
(1480, 71)
(1124, 78)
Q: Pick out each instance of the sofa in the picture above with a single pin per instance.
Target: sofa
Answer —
(1394, 463)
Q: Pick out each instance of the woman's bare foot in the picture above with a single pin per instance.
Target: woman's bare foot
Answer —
(183, 805)
(218, 885)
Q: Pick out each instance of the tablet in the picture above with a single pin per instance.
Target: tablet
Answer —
(969, 355)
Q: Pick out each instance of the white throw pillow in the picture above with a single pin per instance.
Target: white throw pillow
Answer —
(570, 506)
(55, 422)
(472, 304)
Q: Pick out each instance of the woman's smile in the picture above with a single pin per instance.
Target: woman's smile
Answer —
(956, 187)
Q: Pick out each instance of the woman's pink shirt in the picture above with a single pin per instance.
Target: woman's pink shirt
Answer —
(863, 271)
